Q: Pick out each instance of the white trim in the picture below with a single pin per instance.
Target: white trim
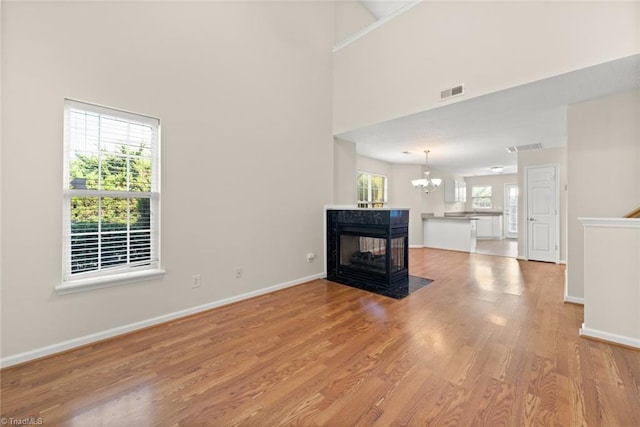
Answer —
(608, 336)
(567, 297)
(110, 333)
(521, 258)
(611, 222)
(106, 110)
(369, 28)
(416, 246)
(563, 261)
(574, 300)
(106, 281)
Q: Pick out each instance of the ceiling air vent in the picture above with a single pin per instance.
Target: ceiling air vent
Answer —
(516, 148)
(453, 91)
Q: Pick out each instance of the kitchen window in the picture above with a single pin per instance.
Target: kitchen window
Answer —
(372, 190)
(481, 197)
(111, 194)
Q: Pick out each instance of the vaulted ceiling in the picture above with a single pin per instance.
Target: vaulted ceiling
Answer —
(470, 136)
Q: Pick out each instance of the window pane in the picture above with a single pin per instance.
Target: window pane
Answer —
(84, 252)
(140, 213)
(363, 187)
(377, 188)
(374, 196)
(84, 172)
(140, 249)
(84, 214)
(115, 151)
(481, 191)
(113, 249)
(113, 172)
(114, 214)
(139, 172)
(113, 241)
(84, 234)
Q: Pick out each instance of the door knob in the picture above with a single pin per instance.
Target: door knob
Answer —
(531, 219)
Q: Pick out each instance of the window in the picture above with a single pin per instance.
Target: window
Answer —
(372, 190)
(111, 196)
(481, 197)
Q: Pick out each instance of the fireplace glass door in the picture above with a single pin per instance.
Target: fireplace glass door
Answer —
(369, 254)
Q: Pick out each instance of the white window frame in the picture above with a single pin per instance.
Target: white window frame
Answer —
(369, 202)
(128, 272)
(478, 202)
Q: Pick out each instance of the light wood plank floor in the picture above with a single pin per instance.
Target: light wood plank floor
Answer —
(488, 343)
(498, 247)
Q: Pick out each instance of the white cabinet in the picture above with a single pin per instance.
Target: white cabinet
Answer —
(455, 234)
(489, 227)
(484, 227)
(455, 191)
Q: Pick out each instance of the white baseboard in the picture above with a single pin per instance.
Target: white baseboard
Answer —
(574, 300)
(120, 330)
(567, 297)
(609, 337)
(521, 258)
(563, 261)
(416, 246)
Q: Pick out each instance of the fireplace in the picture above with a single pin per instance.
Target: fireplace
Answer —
(368, 247)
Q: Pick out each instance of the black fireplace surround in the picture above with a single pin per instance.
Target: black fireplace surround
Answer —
(368, 247)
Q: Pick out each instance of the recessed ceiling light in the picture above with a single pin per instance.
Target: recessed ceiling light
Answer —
(496, 169)
(406, 152)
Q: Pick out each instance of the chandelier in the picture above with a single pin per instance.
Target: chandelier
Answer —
(427, 183)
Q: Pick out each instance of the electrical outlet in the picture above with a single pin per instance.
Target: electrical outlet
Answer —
(196, 281)
(311, 256)
(239, 273)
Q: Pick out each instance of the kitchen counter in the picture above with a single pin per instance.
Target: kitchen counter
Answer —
(489, 225)
(470, 213)
(456, 233)
(448, 218)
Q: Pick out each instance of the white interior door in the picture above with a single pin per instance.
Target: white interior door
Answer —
(511, 211)
(542, 213)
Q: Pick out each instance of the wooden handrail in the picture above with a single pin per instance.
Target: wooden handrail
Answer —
(633, 214)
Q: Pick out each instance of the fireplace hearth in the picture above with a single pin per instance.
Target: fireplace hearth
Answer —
(368, 248)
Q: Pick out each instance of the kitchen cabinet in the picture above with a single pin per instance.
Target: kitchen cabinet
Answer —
(455, 191)
(451, 233)
(489, 226)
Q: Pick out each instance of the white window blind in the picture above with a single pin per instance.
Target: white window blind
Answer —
(111, 192)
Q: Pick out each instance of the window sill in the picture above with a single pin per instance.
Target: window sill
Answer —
(81, 285)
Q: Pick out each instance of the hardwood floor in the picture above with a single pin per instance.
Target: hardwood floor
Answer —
(488, 343)
(498, 247)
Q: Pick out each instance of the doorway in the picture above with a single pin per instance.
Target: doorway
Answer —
(511, 211)
(542, 213)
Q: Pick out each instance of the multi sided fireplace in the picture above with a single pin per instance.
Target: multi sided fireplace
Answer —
(368, 247)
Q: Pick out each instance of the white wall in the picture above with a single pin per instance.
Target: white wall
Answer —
(612, 280)
(603, 160)
(547, 156)
(368, 164)
(403, 195)
(401, 67)
(243, 90)
(344, 172)
(351, 17)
